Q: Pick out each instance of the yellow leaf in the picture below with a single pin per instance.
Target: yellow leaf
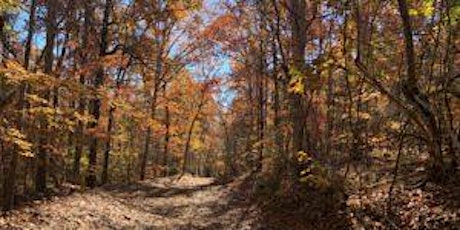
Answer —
(395, 125)
(302, 156)
(413, 12)
(365, 116)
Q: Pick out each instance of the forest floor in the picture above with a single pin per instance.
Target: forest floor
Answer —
(164, 203)
(201, 203)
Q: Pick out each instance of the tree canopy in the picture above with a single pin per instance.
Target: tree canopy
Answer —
(313, 102)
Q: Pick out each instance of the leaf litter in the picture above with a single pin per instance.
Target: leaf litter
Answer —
(163, 203)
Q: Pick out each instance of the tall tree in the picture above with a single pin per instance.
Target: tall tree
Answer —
(95, 103)
(48, 54)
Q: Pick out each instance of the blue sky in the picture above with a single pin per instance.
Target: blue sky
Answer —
(221, 63)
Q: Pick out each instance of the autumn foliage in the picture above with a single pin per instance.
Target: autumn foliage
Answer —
(310, 107)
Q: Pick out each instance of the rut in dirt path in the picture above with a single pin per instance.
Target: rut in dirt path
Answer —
(190, 203)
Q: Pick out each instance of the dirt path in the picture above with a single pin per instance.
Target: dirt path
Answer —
(190, 203)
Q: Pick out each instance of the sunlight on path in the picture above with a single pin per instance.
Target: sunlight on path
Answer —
(164, 203)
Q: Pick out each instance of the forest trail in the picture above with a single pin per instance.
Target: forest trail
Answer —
(163, 203)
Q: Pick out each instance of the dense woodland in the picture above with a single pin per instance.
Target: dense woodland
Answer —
(309, 108)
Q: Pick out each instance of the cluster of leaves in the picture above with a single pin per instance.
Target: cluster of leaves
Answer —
(8, 5)
(322, 93)
(109, 90)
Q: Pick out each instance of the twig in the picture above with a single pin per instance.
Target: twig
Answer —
(398, 158)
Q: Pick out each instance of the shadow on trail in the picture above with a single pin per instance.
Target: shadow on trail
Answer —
(190, 203)
(191, 207)
(151, 190)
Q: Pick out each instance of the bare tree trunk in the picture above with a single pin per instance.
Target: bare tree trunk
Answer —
(145, 153)
(148, 137)
(82, 102)
(261, 107)
(280, 89)
(9, 198)
(105, 163)
(277, 108)
(95, 103)
(108, 142)
(167, 136)
(9, 181)
(329, 115)
(189, 136)
(30, 34)
(80, 137)
(153, 107)
(298, 22)
(187, 146)
(417, 98)
(42, 155)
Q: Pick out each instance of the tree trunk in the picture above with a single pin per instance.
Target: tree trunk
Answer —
(42, 155)
(30, 34)
(189, 136)
(187, 147)
(95, 103)
(108, 142)
(9, 181)
(80, 137)
(10, 172)
(417, 98)
(298, 25)
(145, 153)
(261, 107)
(153, 107)
(329, 116)
(105, 163)
(148, 137)
(82, 102)
(167, 137)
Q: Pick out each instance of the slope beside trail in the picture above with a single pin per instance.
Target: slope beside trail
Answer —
(164, 203)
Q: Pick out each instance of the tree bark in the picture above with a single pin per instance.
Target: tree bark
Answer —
(417, 98)
(189, 135)
(95, 103)
(110, 125)
(153, 107)
(30, 34)
(105, 163)
(42, 155)
(10, 168)
(298, 22)
(167, 121)
(82, 102)
(9, 181)
(148, 137)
